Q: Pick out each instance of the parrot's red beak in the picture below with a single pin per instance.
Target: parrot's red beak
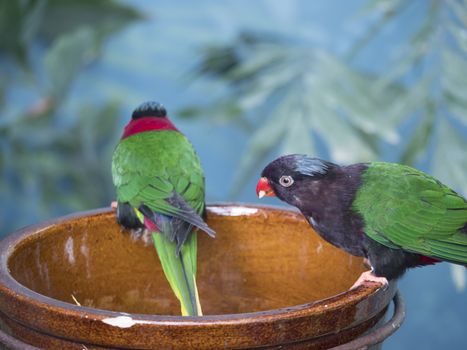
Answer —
(264, 189)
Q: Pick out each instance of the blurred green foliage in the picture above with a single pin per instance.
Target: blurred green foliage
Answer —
(52, 147)
(285, 93)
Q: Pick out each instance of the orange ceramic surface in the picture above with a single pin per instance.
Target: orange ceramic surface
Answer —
(266, 280)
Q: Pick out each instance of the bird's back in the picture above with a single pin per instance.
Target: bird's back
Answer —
(407, 209)
(166, 157)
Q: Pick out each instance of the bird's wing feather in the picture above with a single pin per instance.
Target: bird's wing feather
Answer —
(408, 209)
(175, 207)
(163, 177)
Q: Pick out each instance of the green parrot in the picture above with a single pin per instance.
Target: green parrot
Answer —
(395, 216)
(160, 188)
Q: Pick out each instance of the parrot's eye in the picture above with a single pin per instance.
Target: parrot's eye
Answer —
(286, 180)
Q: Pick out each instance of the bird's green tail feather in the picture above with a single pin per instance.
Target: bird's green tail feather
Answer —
(180, 271)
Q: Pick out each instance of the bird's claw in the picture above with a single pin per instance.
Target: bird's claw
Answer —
(369, 276)
(367, 263)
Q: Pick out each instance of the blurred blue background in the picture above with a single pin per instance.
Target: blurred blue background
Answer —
(245, 81)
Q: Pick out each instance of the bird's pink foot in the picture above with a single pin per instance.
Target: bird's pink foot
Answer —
(369, 276)
(113, 205)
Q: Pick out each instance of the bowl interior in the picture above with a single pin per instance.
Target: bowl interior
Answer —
(262, 258)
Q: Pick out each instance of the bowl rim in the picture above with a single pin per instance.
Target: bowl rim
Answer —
(13, 293)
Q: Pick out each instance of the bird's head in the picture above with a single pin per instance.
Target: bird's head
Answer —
(148, 116)
(149, 109)
(288, 176)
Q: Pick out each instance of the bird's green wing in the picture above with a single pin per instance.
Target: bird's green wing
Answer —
(407, 209)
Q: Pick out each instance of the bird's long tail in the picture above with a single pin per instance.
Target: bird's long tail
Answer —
(180, 271)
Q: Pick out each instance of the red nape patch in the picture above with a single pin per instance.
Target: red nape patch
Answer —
(150, 225)
(426, 260)
(147, 124)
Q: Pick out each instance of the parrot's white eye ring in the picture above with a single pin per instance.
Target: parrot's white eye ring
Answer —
(286, 181)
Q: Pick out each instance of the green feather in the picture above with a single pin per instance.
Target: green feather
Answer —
(404, 208)
(180, 271)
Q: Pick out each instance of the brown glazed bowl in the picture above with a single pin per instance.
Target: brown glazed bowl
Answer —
(267, 281)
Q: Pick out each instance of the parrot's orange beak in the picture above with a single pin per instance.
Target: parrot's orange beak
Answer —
(264, 189)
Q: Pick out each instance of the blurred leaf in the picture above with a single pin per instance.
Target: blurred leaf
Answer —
(298, 137)
(33, 20)
(460, 35)
(104, 16)
(261, 143)
(217, 61)
(190, 112)
(419, 140)
(408, 102)
(261, 61)
(457, 105)
(221, 112)
(354, 94)
(459, 277)
(450, 157)
(388, 10)
(345, 144)
(19, 21)
(67, 56)
(455, 84)
(384, 7)
(455, 69)
(416, 49)
(264, 86)
(459, 8)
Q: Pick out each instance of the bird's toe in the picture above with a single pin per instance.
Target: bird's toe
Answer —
(369, 276)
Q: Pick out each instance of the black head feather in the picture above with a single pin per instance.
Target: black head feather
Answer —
(308, 166)
(298, 165)
(149, 109)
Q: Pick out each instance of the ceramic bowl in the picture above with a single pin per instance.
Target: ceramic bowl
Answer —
(267, 280)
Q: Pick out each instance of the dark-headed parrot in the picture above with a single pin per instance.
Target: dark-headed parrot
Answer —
(393, 215)
(160, 188)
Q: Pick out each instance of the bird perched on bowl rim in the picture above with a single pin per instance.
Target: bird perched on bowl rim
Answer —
(160, 188)
(393, 215)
